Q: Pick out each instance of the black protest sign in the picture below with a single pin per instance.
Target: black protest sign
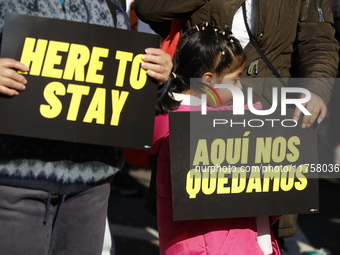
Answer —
(223, 165)
(85, 83)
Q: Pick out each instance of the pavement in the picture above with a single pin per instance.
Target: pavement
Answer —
(134, 230)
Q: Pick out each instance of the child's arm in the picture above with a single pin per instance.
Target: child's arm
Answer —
(10, 80)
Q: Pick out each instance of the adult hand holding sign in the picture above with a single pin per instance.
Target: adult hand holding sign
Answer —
(157, 64)
(316, 106)
(10, 80)
(75, 82)
(86, 96)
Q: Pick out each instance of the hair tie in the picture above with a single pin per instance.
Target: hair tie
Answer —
(231, 40)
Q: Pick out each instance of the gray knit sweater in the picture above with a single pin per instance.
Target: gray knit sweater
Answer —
(55, 166)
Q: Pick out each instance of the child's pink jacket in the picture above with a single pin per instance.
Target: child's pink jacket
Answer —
(236, 236)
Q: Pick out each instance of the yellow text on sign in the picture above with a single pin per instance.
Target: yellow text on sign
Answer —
(236, 150)
(42, 56)
(96, 110)
(233, 181)
(82, 64)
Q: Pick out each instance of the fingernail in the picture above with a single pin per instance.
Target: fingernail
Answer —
(146, 51)
(295, 118)
(303, 125)
(142, 64)
(308, 125)
(320, 120)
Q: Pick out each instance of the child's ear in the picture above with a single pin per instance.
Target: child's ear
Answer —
(207, 77)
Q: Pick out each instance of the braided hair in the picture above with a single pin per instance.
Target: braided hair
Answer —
(203, 48)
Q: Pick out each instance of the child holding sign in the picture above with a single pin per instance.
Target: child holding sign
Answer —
(209, 52)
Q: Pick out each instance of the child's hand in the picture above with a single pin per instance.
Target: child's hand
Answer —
(158, 64)
(10, 80)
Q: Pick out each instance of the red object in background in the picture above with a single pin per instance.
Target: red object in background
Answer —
(170, 43)
(137, 158)
(133, 17)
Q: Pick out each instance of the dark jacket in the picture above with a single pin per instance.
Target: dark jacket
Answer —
(297, 36)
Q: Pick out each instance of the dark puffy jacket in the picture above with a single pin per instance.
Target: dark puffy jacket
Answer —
(297, 36)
